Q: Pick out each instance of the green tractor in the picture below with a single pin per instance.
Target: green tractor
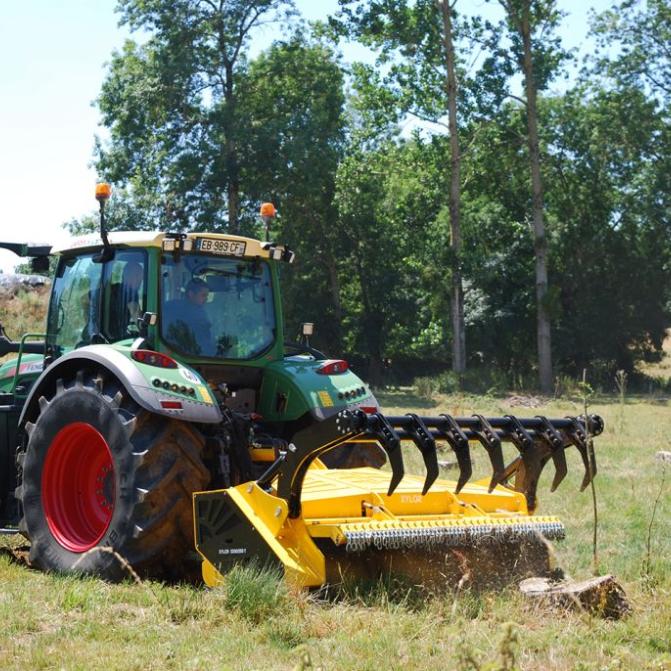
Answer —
(163, 413)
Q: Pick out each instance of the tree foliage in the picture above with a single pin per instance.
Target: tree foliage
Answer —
(171, 105)
(200, 134)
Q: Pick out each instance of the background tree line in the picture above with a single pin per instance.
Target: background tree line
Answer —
(515, 234)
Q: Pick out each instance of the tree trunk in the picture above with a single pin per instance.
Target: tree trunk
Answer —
(231, 155)
(543, 335)
(457, 290)
(334, 286)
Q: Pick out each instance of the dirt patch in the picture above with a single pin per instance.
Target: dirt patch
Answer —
(17, 555)
(520, 400)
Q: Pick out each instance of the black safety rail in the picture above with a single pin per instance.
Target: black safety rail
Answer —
(537, 439)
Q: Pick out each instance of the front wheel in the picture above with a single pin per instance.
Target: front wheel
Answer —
(103, 479)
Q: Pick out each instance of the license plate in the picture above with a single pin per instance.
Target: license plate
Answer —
(223, 247)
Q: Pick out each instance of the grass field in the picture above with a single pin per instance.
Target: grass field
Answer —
(255, 622)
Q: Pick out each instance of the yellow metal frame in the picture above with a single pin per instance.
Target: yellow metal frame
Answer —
(336, 503)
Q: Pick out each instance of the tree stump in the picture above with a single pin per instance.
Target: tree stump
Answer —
(601, 596)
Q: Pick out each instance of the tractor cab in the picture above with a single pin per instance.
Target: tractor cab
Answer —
(181, 295)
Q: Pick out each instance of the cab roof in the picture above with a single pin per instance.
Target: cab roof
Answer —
(170, 241)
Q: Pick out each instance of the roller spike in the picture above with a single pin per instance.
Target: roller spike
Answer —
(141, 494)
(79, 378)
(29, 426)
(44, 404)
(60, 387)
(18, 493)
(20, 459)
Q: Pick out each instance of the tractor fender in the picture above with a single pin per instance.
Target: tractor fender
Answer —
(137, 379)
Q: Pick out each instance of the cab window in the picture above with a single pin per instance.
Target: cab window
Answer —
(74, 307)
(217, 307)
(124, 295)
(95, 303)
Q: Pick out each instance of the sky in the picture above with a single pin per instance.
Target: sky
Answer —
(53, 59)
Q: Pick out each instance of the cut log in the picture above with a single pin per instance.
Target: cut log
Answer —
(602, 596)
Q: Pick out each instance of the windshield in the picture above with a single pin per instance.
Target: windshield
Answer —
(216, 307)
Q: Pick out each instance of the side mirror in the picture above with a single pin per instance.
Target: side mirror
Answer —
(147, 319)
(39, 264)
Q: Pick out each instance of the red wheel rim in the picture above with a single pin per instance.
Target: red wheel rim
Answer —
(78, 487)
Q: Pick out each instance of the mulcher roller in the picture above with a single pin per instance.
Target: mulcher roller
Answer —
(318, 525)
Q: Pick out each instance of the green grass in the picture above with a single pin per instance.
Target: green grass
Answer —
(255, 621)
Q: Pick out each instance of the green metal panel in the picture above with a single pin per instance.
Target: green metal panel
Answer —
(293, 386)
(29, 370)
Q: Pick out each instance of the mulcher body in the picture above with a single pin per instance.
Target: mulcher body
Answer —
(162, 411)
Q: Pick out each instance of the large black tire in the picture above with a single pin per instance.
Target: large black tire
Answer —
(100, 472)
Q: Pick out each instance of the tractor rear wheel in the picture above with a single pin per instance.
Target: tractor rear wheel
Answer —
(103, 479)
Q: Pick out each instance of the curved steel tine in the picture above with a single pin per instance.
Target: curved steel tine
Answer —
(380, 428)
(427, 446)
(556, 444)
(578, 438)
(532, 459)
(492, 444)
(459, 443)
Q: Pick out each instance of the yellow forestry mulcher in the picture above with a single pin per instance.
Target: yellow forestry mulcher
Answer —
(320, 525)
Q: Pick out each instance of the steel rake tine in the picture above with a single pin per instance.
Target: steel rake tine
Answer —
(492, 444)
(532, 459)
(381, 429)
(578, 438)
(593, 427)
(427, 446)
(556, 444)
(459, 443)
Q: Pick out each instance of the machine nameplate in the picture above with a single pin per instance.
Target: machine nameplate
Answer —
(219, 246)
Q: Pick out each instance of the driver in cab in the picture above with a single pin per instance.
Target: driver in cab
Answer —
(188, 325)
